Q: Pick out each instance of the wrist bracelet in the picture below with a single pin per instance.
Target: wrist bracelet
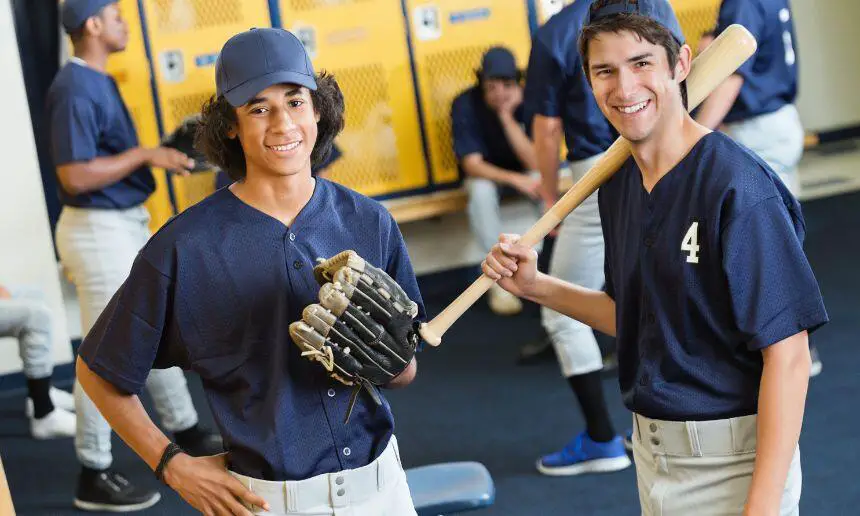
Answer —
(170, 451)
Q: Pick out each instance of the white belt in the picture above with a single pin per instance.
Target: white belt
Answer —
(696, 438)
(339, 489)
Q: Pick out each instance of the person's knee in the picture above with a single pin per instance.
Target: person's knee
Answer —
(40, 317)
(482, 191)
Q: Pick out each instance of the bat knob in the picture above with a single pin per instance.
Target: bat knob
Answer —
(429, 335)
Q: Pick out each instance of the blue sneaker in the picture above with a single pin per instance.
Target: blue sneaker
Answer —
(628, 440)
(582, 455)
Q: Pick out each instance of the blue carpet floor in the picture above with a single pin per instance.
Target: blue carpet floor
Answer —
(471, 402)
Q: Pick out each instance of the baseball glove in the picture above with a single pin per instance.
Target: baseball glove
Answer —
(182, 139)
(363, 331)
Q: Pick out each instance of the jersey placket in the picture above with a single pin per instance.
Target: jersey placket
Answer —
(329, 396)
(654, 208)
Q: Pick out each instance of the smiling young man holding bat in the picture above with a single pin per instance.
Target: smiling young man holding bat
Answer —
(708, 290)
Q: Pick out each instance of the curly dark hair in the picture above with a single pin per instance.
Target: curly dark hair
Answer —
(219, 117)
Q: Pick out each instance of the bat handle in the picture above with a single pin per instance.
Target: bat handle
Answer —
(432, 332)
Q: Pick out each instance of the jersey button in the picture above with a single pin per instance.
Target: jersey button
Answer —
(298, 264)
(292, 237)
(649, 241)
(643, 380)
(347, 452)
(331, 393)
(651, 318)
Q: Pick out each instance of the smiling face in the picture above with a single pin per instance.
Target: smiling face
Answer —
(278, 129)
(634, 83)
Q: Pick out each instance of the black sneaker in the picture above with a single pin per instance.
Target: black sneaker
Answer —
(199, 442)
(110, 491)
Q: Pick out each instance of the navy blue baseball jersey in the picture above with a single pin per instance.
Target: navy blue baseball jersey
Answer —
(770, 75)
(88, 119)
(215, 291)
(706, 271)
(476, 129)
(556, 85)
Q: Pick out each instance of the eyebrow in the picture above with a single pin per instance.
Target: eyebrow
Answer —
(601, 66)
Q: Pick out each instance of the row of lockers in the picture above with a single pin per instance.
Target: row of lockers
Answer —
(400, 63)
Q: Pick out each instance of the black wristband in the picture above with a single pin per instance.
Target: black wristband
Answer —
(171, 451)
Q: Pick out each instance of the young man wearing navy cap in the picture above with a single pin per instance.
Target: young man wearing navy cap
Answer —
(494, 152)
(216, 289)
(559, 100)
(104, 179)
(708, 290)
(755, 106)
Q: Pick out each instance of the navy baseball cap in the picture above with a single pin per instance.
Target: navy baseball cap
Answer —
(499, 63)
(253, 60)
(658, 10)
(74, 13)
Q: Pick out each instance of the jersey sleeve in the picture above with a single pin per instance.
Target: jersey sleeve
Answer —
(465, 130)
(544, 82)
(748, 14)
(773, 289)
(135, 332)
(399, 267)
(74, 130)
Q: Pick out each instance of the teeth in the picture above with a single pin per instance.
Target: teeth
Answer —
(283, 148)
(634, 108)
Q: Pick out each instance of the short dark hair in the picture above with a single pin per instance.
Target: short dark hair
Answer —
(78, 34)
(219, 117)
(643, 27)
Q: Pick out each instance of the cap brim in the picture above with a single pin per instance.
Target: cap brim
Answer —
(241, 94)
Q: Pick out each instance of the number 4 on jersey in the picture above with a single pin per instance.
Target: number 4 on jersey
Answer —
(690, 244)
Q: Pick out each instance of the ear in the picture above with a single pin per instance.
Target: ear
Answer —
(93, 25)
(317, 116)
(232, 132)
(685, 60)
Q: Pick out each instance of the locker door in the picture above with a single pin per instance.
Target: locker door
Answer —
(185, 37)
(448, 39)
(363, 44)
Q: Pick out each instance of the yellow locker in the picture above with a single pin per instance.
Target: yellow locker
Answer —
(449, 38)
(185, 37)
(130, 69)
(363, 44)
(696, 17)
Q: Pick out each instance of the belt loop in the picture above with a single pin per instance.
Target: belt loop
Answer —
(291, 496)
(735, 435)
(693, 435)
(638, 431)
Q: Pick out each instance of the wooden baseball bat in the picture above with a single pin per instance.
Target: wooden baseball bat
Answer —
(725, 55)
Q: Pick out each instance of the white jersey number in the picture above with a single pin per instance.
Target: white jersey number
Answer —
(790, 56)
(690, 244)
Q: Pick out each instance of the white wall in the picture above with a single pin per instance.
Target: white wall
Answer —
(829, 63)
(26, 249)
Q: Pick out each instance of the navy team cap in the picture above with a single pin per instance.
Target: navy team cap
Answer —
(658, 10)
(499, 63)
(74, 13)
(253, 60)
